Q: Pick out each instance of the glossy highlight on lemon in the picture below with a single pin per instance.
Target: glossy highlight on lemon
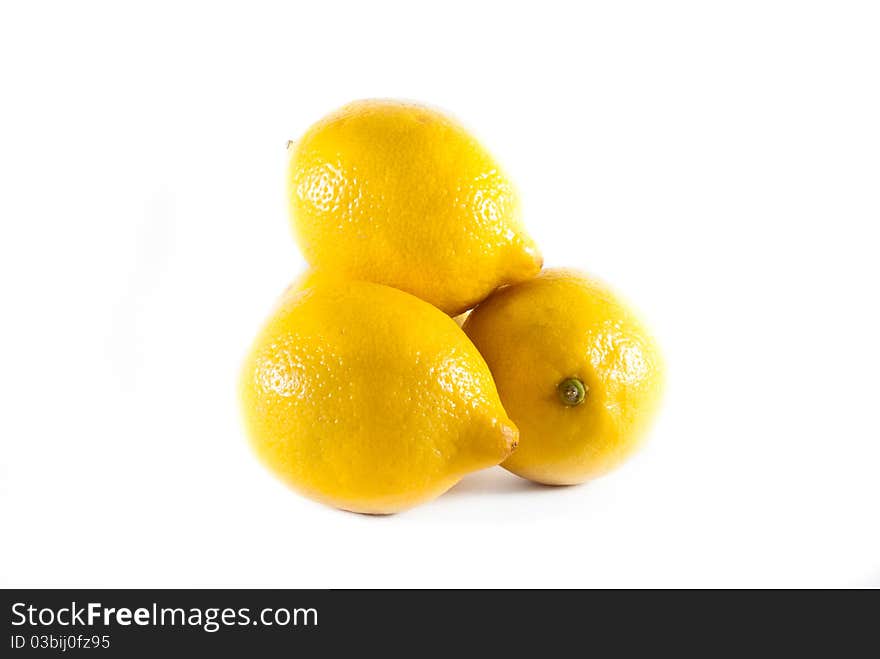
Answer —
(577, 371)
(401, 194)
(368, 399)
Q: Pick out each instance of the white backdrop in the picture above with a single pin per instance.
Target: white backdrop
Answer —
(717, 162)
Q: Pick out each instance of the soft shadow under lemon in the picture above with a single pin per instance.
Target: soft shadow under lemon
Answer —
(498, 481)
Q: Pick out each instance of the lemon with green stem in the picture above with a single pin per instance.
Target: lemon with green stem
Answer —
(577, 371)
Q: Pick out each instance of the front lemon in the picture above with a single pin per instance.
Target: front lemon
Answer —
(368, 399)
(578, 373)
(403, 195)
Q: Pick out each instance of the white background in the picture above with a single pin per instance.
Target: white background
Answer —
(719, 163)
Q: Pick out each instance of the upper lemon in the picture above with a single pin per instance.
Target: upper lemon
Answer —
(576, 370)
(403, 195)
(369, 399)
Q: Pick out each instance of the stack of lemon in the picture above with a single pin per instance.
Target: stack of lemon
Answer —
(369, 391)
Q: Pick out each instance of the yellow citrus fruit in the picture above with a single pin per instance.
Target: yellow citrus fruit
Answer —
(401, 194)
(576, 370)
(366, 398)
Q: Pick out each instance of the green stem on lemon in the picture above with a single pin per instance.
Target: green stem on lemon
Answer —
(572, 391)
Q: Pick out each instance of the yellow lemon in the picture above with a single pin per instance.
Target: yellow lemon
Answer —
(576, 370)
(401, 194)
(366, 398)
